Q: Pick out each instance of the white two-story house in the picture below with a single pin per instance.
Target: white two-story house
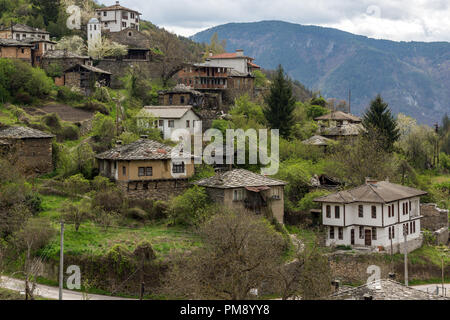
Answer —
(116, 18)
(170, 118)
(373, 215)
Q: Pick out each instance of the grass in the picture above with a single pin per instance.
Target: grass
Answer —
(51, 205)
(94, 240)
(425, 255)
(6, 294)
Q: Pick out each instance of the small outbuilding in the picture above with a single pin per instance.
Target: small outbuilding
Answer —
(86, 77)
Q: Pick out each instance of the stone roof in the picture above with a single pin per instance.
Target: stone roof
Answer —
(238, 178)
(339, 116)
(62, 54)
(235, 73)
(89, 68)
(182, 88)
(11, 132)
(36, 39)
(14, 43)
(143, 149)
(384, 289)
(23, 28)
(165, 112)
(375, 192)
(115, 7)
(317, 141)
(349, 129)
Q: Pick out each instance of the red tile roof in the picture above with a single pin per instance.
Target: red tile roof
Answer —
(225, 55)
(117, 6)
(251, 64)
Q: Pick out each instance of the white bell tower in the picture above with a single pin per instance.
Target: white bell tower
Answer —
(94, 34)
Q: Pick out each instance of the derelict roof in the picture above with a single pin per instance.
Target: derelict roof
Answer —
(349, 129)
(115, 7)
(238, 178)
(14, 43)
(181, 88)
(89, 68)
(317, 141)
(377, 192)
(36, 39)
(165, 112)
(143, 149)
(23, 133)
(59, 54)
(339, 115)
(23, 28)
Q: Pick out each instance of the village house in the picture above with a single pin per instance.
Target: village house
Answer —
(64, 59)
(29, 149)
(243, 190)
(147, 169)
(40, 47)
(339, 126)
(21, 32)
(116, 18)
(85, 77)
(181, 95)
(170, 118)
(13, 49)
(318, 141)
(236, 61)
(373, 215)
(138, 44)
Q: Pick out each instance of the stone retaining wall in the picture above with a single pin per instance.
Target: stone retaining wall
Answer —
(156, 190)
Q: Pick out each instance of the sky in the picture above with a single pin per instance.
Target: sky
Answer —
(399, 20)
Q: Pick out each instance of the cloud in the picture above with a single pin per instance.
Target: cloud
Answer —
(407, 20)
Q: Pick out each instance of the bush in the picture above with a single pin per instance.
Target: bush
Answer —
(189, 208)
(66, 94)
(76, 185)
(69, 132)
(111, 200)
(137, 214)
(101, 183)
(34, 203)
(95, 106)
(52, 121)
(307, 202)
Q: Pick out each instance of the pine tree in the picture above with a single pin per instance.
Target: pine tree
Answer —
(280, 104)
(379, 117)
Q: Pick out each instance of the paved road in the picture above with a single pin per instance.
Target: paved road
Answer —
(51, 292)
(432, 288)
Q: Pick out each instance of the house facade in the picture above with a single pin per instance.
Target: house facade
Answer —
(21, 32)
(373, 216)
(237, 61)
(147, 169)
(13, 49)
(116, 18)
(170, 118)
(29, 149)
(181, 95)
(85, 77)
(243, 190)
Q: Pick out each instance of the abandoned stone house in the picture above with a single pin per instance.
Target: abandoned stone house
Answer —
(138, 44)
(318, 141)
(116, 18)
(13, 49)
(29, 149)
(339, 126)
(181, 95)
(147, 169)
(85, 77)
(374, 215)
(63, 59)
(21, 32)
(243, 190)
(170, 118)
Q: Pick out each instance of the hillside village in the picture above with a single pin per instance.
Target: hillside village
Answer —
(87, 121)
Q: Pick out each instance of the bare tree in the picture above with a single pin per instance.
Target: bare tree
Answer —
(240, 253)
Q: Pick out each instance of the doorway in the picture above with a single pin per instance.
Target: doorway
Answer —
(352, 237)
(368, 237)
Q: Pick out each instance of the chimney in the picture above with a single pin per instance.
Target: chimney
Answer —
(239, 53)
(210, 53)
(117, 3)
(371, 181)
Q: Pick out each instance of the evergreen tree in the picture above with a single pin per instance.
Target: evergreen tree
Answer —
(379, 118)
(280, 104)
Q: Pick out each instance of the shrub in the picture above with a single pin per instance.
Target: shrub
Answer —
(189, 208)
(95, 106)
(66, 94)
(52, 121)
(34, 203)
(307, 202)
(101, 183)
(111, 200)
(76, 185)
(137, 214)
(69, 132)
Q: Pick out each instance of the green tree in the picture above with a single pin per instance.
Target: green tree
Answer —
(280, 104)
(379, 118)
(215, 46)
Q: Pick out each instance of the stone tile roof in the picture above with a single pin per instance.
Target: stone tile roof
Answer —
(317, 141)
(143, 149)
(340, 116)
(164, 112)
(182, 88)
(115, 7)
(61, 54)
(22, 133)
(238, 178)
(14, 43)
(89, 68)
(384, 289)
(235, 73)
(23, 28)
(349, 129)
(377, 192)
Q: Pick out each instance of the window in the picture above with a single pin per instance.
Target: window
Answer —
(341, 233)
(360, 211)
(22, 50)
(178, 168)
(361, 232)
(124, 171)
(132, 15)
(124, 24)
(389, 211)
(141, 172)
(414, 227)
(374, 212)
(161, 123)
(104, 13)
(391, 233)
(171, 123)
(45, 46)
(182, 97)
(374, 233)
(188, 124)
(238, 195)
(331, 232)
(337, 212)
(276, 194)
(328, 211)
(149, 171)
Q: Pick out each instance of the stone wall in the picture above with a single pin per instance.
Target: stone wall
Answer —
(155, 190)
(442, 236)
(434, 218)
(32, 156)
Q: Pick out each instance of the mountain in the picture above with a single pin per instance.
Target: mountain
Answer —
(413, 77)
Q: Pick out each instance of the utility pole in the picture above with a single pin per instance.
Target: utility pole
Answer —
(61, 262)
(406, 253)
(349, 100)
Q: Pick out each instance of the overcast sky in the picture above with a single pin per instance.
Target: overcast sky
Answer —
(408, 20)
